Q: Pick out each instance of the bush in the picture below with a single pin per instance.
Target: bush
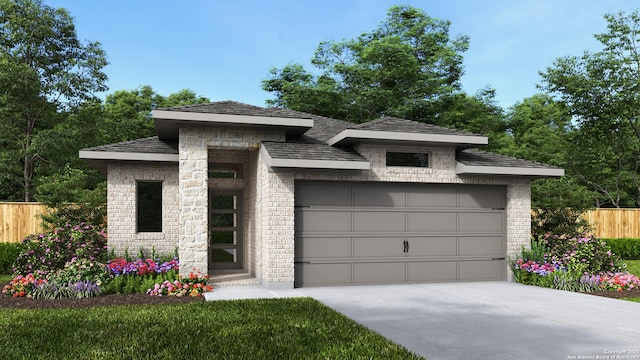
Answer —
(591, 254)
(627, 249)
(8, 254)
(137, 284)
(73, 290)
(48, 252)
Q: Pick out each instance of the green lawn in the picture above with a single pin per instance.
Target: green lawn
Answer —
(633, 266)
(4, 278)
(243, 329)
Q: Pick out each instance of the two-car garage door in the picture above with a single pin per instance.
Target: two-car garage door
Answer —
(380, 233)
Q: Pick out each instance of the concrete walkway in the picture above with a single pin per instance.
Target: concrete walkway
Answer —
(483, 320)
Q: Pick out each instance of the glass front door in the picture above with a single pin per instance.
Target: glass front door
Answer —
(225, 230)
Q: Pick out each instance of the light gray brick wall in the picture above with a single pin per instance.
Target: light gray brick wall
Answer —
(277, 195)
(121, 209)
(194, 146)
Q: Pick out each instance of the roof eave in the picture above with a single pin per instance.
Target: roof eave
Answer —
(349, 137)
(312, 163)
(462, 169)
(100, 159)
(167, 122)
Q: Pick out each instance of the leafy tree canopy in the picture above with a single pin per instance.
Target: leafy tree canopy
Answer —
(601, 90)
(403, 68)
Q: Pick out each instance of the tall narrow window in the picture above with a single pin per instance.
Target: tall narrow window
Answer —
(407, 159)
(149, 206)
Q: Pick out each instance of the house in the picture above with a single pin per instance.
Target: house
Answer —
(297, 199)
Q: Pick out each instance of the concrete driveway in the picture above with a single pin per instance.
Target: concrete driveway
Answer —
(483, 320)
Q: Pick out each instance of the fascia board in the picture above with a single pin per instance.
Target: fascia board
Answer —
(462, 169)
(127, 156)
(313, 164)
(351, 135)
(231, 119)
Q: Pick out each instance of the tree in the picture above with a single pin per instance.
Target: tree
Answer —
(127, 113)
(602, 92)
(44, 69)
(405, 66)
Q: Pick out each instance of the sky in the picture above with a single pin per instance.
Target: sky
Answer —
(224, 49)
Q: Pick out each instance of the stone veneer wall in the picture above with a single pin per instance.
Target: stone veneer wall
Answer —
(276, 250)
(193, 147)
(121, 210)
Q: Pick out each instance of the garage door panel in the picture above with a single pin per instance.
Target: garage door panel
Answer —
(482, 270)
(432, 271)
(432, 196)
(323, 221)
(481, 221)
(432, 246)
(481, 246)
(322, 247)
(322, 274)
(378, 273)
(378, 246)
(375, 233)
(431, 221)
(481, 196)
(389, 195)
(378, 221)
(323, 194)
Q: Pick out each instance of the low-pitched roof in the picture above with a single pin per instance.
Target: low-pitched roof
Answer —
(396, 131)
(146, 149)
(324, 145)
(478, 162)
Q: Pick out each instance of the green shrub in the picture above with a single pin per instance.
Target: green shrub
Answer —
(628, 249)
(590, 252)
(136, 284)
(8, 254)
(48, 252)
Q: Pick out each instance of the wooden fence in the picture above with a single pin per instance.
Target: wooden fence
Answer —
(615, 223)
(18, 220)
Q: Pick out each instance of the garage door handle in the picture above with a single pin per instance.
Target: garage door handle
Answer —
(406, 246)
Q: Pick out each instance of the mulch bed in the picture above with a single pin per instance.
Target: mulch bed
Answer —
(102, 300)
(633, 293)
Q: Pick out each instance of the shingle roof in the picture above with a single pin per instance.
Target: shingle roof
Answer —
(235, 108)
(393, 124)
(151, 145)
(475, 157)
(310, 151)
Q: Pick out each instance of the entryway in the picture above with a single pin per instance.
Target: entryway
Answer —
(225, 229)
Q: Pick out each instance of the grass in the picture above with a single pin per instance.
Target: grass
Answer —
(633, 266)
(5, 278)
(243, 329)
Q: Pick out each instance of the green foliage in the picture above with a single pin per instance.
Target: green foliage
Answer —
(44, 69)
(593, 253)
(8, 254)
(137, 284)
(248, 329)
(45, 253)
(405, 66)
(628, 249)
(56, 290)
(69, 201)
(80, 269)
(633, 266)
(558, 220)
(600, 90)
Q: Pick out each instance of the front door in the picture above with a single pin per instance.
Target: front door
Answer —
(225, 229)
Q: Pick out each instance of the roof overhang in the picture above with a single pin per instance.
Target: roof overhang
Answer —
(99, 159)
(349, 137)
(311, 163)
(168, 122)
(462, 169)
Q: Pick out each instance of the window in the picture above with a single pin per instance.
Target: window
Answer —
(149, 206)
(225, 171)
(407, 159)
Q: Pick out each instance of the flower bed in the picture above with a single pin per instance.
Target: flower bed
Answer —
(583, 263)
